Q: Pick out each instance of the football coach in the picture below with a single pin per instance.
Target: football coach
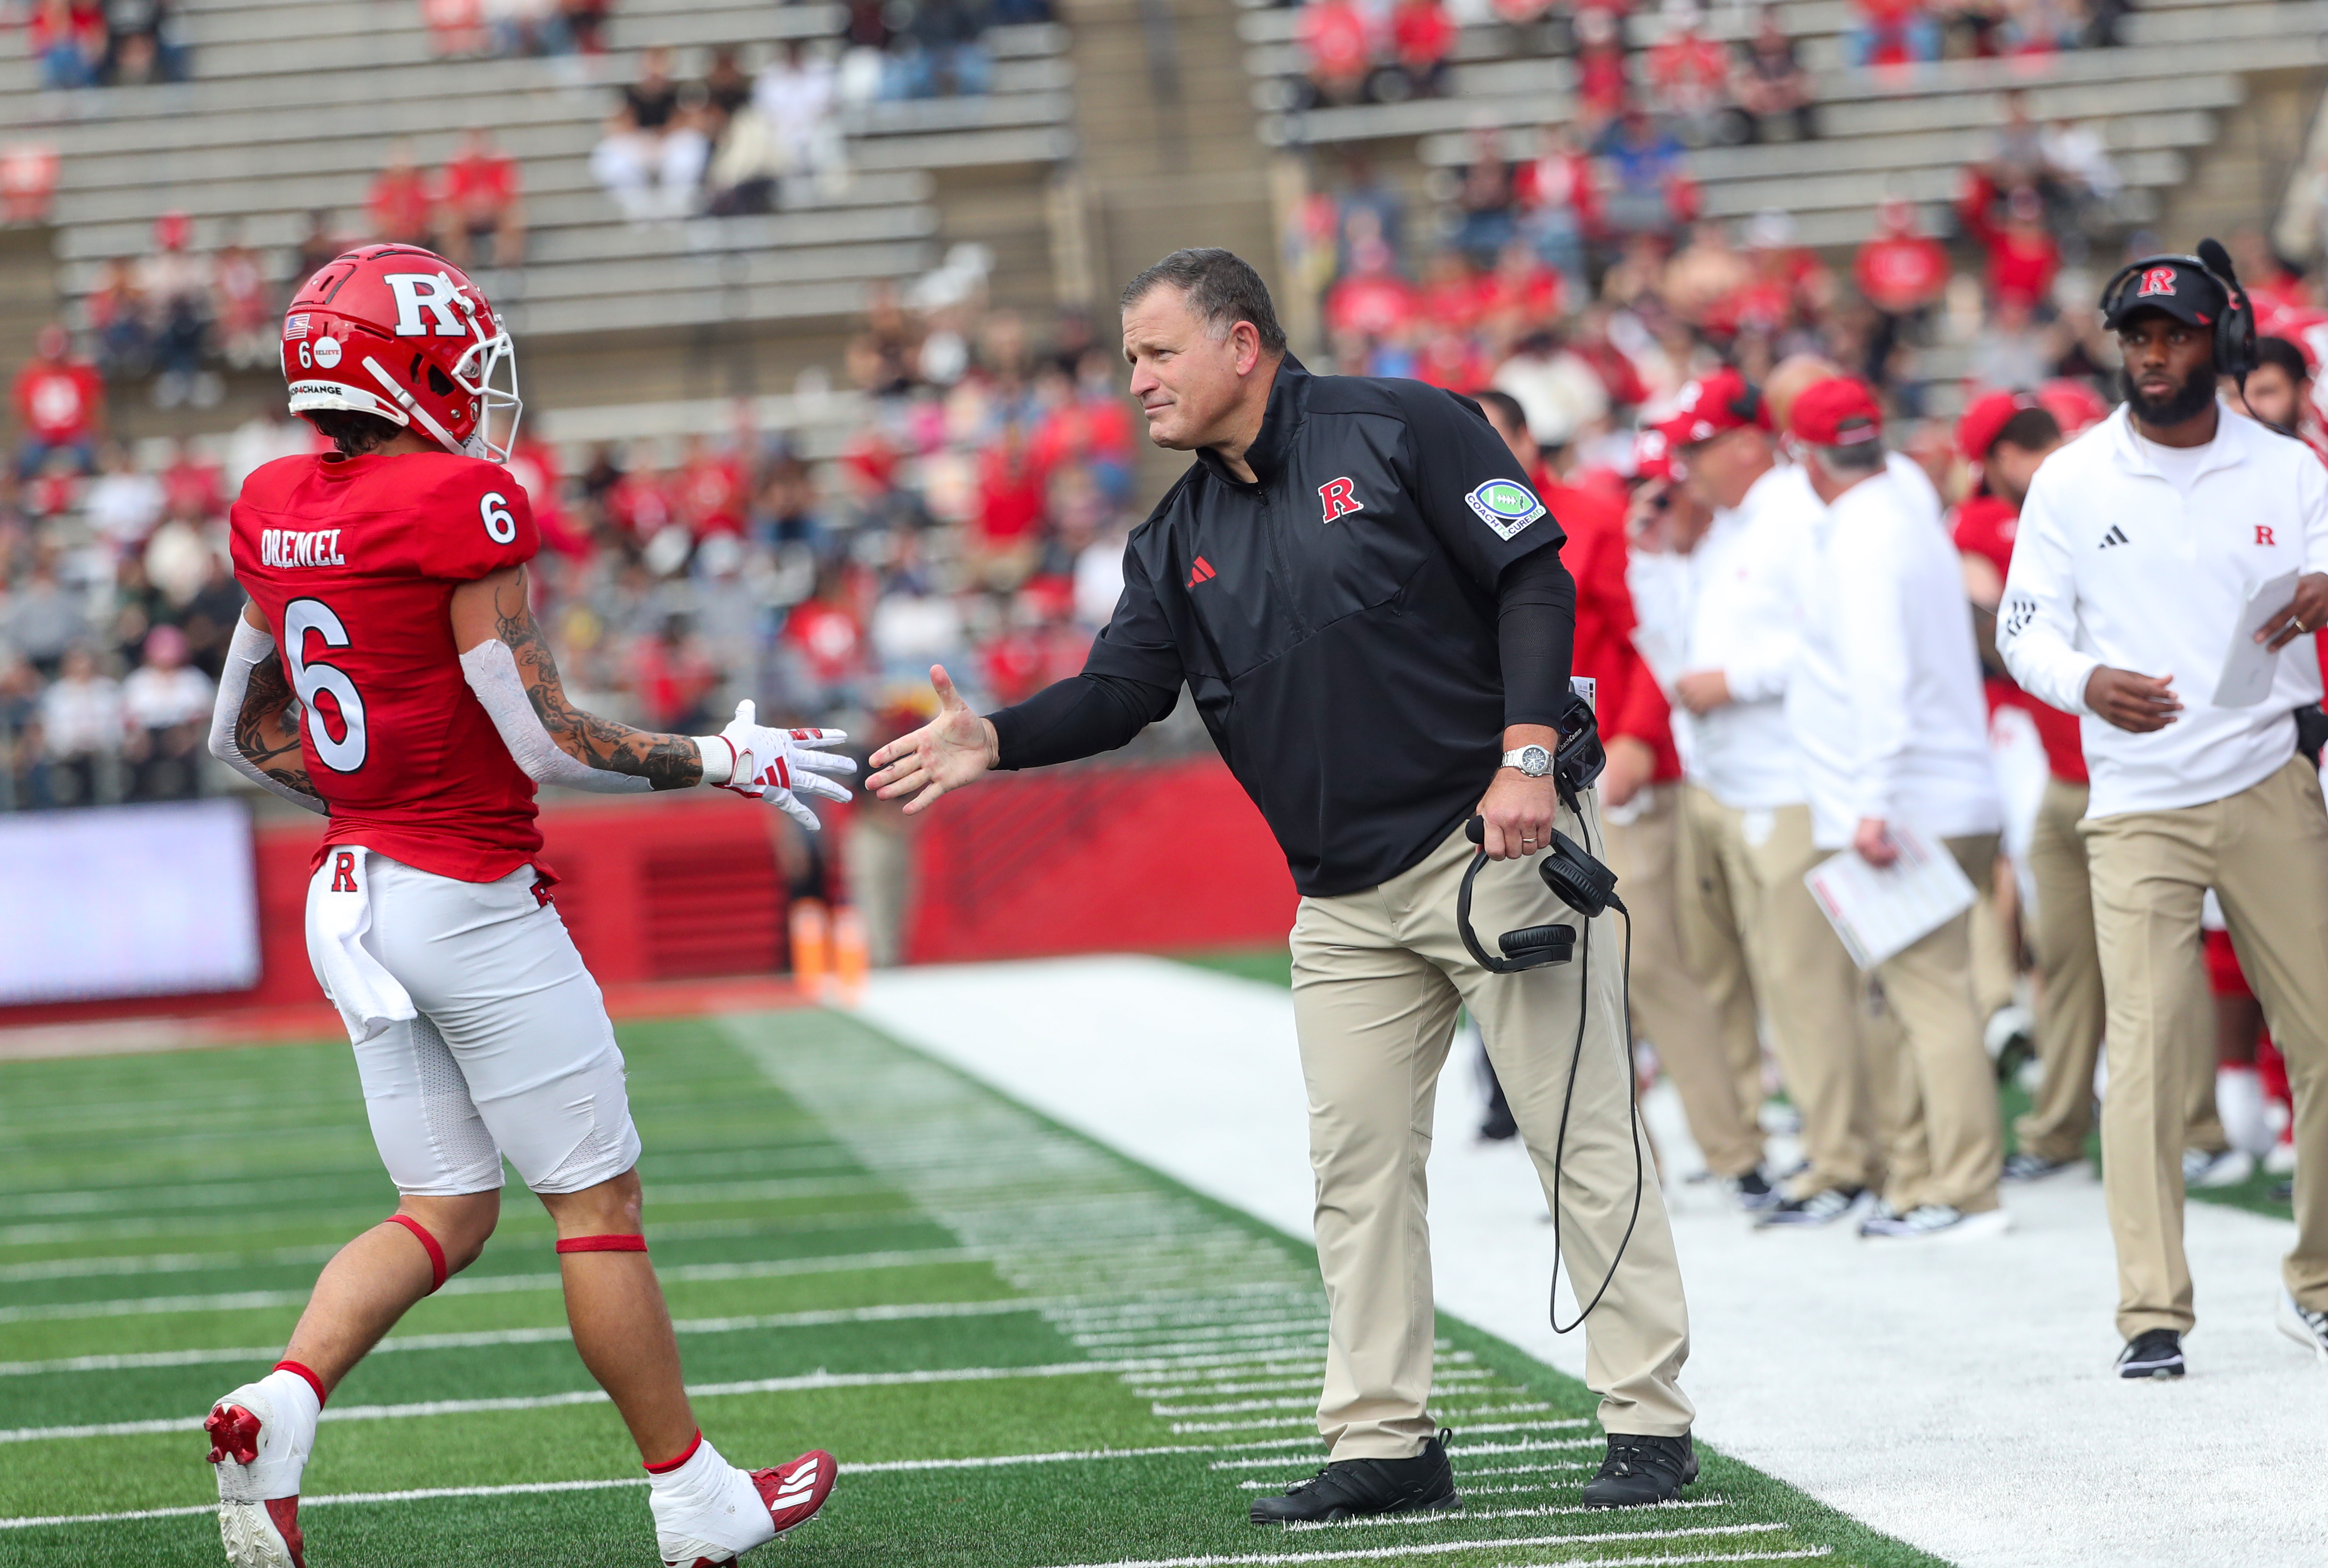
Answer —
(1367, 600)
(2141, 545)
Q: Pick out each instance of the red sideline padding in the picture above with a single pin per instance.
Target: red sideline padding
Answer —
(673, 889)
(1163, 858)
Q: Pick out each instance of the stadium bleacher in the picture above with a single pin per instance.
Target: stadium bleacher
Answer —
(1905, 133)
(292, 107)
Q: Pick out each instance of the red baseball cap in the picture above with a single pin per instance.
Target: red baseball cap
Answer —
(2074, 404)
(1986, 419)
(1839, 411)
(1653, 456)
(1712, 405)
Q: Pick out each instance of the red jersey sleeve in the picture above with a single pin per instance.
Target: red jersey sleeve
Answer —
(474, 521)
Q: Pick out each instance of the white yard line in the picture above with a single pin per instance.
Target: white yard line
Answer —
(1467, 1449)
(557, 1334)
(871, 1468)
(1444, 1548)
(1540, 1511)
(1812, 1354)
(811, 1380)
(493, 1284)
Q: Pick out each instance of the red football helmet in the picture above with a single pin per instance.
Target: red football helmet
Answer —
(401, 333)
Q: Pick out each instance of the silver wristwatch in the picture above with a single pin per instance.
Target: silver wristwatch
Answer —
(1533, 761)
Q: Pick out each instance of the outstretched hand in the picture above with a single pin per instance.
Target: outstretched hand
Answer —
(948, 752)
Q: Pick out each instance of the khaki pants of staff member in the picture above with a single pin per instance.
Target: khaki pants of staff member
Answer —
(1746, 912)
(2069, 1004)
(1377, 978)
(2264, 852)
(1934, 1085)
(1707, 1050)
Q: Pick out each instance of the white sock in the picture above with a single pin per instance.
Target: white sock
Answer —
(707, 1508)
(701, 1475)
(2238, 1101)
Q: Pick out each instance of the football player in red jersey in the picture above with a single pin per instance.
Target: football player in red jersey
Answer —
(390, 574)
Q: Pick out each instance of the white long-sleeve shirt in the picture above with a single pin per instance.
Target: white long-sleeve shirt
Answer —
(2115, 564)
(1885, 697)
(1729, 605)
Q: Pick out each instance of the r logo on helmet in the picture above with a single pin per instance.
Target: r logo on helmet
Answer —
(2156, 281)
(430, 291)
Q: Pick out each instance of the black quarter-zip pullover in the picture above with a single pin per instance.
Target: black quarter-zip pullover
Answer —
(1345, 623)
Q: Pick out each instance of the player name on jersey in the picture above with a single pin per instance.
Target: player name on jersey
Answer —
(284, 547)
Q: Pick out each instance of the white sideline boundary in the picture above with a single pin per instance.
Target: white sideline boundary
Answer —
(1956, 1396)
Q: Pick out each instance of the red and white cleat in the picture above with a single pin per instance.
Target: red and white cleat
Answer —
(258, 1467)
(743, 1510)
(795, 1491)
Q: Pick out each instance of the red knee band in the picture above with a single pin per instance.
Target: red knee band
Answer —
(436, 1253)
(668, 1466)
(313, 1382)
(604, 1244)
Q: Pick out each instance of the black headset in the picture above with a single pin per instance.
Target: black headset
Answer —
(2235, 326)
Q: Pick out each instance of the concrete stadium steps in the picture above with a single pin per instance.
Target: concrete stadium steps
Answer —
(549, 215)
(2183, 65)
(294, 103)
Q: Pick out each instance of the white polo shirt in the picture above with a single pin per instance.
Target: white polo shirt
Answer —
(1885, 699)
(2115, 564)
(1729, 605)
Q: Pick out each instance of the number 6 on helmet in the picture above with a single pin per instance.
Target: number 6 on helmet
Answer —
(401, 333)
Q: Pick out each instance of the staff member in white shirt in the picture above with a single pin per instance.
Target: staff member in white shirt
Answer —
(2141, 544)
(1747, 824)
(1885, 703)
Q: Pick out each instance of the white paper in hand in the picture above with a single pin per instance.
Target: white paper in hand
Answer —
(2249, 666)
(1879, 910)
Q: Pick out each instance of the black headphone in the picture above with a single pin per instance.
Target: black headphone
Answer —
(2235, 327)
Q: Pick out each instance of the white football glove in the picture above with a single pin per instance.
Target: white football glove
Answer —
(781, 765)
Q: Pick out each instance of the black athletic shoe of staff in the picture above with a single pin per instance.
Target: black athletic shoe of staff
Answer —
(1347, 1488)
(2152, 1353)
(1641, 1469)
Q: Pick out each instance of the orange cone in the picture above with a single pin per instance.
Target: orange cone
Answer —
(848, 954)
(811, 949)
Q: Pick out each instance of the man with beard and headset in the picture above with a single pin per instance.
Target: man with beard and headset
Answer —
(2144, 546)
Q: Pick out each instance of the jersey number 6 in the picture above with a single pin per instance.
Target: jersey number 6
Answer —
(310, 679)
(492, 510)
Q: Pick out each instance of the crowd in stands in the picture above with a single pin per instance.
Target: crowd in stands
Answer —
(1357, 52)
(733, 140)
(81, 43)
(976, 516)
(517, 27)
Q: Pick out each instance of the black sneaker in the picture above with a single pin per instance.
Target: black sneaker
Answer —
(1642, 1470)
(1824, 1206)
(1349, 1486)
(2023, 1166)
(1753, 1191)
(2152, 1353)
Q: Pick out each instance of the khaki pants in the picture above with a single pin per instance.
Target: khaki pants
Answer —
(2070, 1014)
(2069, 1004)
(1709, 1049)
(1377, 978)
(1750, 916)
(1936, 1088)
(2265, 851)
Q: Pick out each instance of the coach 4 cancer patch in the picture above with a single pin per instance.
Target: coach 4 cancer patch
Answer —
(1505, 506)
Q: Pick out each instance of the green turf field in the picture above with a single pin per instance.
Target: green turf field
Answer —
(1025, 1350)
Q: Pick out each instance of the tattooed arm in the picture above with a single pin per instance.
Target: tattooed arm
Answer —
(252, 729)
(506, 656)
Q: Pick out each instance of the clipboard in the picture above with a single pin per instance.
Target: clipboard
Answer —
(2249, 668)
(1879, 910)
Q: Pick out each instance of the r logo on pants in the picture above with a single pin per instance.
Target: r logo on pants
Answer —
(343, 872)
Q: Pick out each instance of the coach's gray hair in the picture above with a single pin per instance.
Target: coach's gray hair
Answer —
(1222, 290)
(1865, 458)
